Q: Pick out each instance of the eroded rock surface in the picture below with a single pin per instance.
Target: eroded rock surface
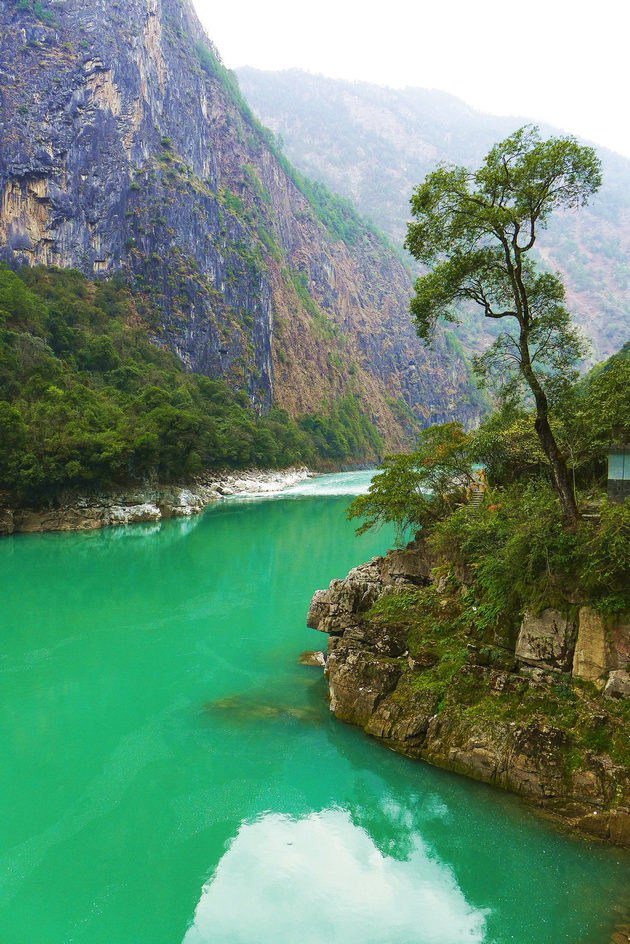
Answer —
(384, 676)
(547, 640)
(126, 148)
(618, 684)
(594, 656)
(144, 503)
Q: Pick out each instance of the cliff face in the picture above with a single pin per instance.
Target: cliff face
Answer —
(374, 145)
(543, 714)
(126, 147)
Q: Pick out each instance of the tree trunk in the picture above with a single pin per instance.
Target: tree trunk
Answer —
(559, 471)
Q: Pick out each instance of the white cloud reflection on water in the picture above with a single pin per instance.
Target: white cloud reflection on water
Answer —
(321, 878)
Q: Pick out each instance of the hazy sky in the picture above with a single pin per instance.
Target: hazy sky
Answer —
(552, 60)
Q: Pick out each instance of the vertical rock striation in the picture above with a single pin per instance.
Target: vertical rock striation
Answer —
(127, 148)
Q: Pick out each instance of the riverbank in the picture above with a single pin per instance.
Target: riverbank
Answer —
(544, 715)
(144, 502)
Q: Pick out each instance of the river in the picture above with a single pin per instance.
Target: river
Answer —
(172, 775)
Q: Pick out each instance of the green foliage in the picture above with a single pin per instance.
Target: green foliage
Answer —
(89, 400)
(344, 433)
(38, 10)
(475, 231)
(415, 490)
(607, 560)
(506, 444)
(514, 549)
(212, 66)
(588, 416)
(325, 327)
(336, 213)
(599, 412)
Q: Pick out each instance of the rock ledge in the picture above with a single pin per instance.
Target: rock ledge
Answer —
(385, 676)
(147, 502)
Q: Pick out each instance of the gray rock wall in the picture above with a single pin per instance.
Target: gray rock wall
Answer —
(127, 148)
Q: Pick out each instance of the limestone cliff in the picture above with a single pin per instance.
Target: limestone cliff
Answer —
(544, 715)
(127, 147)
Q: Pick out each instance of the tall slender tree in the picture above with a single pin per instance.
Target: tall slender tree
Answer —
(476, 230)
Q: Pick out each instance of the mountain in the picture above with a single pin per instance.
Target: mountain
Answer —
(128, 148)
(373, 145)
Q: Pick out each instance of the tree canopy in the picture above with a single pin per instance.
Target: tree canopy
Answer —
(476, 230)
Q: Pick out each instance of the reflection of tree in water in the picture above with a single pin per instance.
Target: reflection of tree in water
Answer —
(389, 826)
(485, 839)
(498, 849)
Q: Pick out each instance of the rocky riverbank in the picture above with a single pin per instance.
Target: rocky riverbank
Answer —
(543, 711)
(145, 502)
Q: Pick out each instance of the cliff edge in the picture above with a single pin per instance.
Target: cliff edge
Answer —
(544, 714)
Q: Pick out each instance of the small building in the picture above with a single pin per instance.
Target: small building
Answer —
(618, 473)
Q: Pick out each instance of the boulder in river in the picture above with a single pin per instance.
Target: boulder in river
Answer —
(314, 657)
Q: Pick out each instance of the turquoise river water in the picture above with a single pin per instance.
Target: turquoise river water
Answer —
(172, 775)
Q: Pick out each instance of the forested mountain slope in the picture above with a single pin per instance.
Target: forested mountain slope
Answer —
(375, 144)
(127, 147)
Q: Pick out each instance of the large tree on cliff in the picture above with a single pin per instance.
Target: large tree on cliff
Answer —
(476, 231)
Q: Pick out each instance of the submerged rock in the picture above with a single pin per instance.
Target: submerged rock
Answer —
(242, 709)
(312, 657)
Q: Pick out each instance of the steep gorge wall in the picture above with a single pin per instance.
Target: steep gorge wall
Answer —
(126, 148)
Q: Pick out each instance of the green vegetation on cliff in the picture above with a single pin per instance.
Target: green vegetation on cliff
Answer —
(337, 214)
(87, 398)
(513, 545)
(453, 660)
(523, 542)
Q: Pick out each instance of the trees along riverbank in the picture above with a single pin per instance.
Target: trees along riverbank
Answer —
(91, 399)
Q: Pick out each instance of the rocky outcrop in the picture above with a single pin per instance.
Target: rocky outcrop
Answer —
(401, 666)
(594, 654)
(149, 502)
(547, 641)
(618, 684)
(127, 148)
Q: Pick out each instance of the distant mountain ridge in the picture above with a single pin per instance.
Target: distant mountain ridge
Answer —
(374, 144)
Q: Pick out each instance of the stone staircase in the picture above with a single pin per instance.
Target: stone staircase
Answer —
(476, 496)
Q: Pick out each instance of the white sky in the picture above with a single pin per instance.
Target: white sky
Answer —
(561, 61)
